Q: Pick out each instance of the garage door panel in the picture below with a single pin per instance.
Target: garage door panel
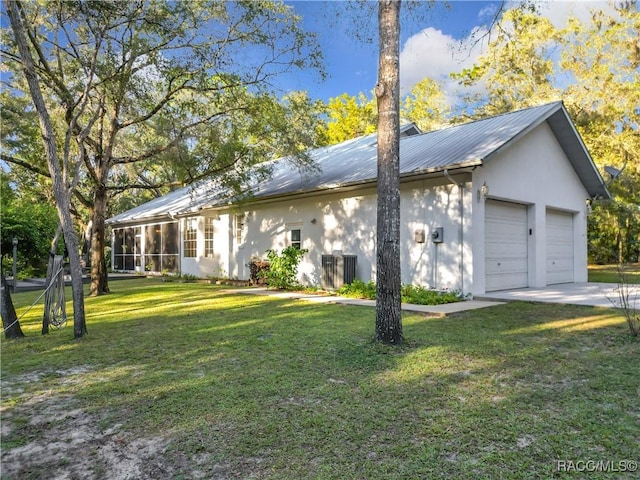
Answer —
(559, 245)
(506, 249)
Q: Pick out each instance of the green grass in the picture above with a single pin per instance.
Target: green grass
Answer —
(610, 273)
(244, 386)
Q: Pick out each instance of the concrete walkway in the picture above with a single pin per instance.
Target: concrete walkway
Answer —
(430, 309)
(591, 294)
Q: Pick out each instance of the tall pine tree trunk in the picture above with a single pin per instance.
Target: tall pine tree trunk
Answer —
(99, 276)
(58, 178)
(388, 281)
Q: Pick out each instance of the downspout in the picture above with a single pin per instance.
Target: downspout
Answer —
(461, 227)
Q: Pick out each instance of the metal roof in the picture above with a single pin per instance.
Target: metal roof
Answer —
(354, 162)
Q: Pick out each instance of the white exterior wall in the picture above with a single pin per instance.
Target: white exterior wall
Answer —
(535, 172)
(427, 205)
(346, 223)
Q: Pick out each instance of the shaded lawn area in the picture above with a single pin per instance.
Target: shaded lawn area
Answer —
(610, 274)
(187, 381)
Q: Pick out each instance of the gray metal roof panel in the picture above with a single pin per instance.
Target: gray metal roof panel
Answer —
(355, 161)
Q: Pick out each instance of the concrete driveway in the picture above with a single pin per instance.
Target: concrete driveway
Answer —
(593, 294)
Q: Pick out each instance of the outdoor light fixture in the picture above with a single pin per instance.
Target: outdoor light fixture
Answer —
(483, 191)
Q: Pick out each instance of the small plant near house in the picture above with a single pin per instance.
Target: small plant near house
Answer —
(258, 269)
(419, 295)
(358, 289)
(414, 294)
(283, 268)
(188, 278)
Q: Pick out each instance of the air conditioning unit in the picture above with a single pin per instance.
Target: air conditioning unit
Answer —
(338, 270)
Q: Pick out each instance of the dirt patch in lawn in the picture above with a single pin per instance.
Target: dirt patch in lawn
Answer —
(50, 436)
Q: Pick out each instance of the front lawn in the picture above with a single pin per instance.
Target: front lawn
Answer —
(183, 380)
(611, 274)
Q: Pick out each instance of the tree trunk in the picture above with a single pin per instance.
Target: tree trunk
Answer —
(10, 323)
(60, 189)
(388, 281)
(52, 253)
(99, 276)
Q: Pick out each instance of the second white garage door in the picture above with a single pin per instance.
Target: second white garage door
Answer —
(506, 235)
(559, 247)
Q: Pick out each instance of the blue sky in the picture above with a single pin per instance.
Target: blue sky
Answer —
(434, 42)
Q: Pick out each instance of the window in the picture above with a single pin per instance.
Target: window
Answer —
(190, 238)
(295, 239)
(239, 228)
(208, 237)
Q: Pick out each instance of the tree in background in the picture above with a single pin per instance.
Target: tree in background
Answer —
(354, 116)
(426, 105)
(603, 56)
(593, 66)
(157, 94)
(32, 219)
(349, 117)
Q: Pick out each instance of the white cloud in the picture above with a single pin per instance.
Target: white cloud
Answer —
(434, 54)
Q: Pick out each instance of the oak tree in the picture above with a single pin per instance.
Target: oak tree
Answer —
(159, 94)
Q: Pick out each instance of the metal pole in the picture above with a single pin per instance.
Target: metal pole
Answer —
(15, 263)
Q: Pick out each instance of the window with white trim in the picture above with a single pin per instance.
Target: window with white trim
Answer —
(190, 237)
(295, 238)
(240, 221)
(208, 237)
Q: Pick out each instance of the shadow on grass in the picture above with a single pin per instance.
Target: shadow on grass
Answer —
(254, 386)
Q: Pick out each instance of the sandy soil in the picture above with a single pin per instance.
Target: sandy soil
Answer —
(49, 436)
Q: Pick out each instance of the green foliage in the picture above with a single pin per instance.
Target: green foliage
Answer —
(33, 224)
(358, 289)
(188, 278)
(414, 294)
(165, 94)
(350, 117)
(419, 295)
(426, 105)
(283, 267)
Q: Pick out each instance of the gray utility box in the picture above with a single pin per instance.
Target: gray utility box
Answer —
(338, 270)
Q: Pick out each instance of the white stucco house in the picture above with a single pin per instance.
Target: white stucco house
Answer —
(495, 204)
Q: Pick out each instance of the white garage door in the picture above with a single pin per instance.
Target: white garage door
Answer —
(559, 247)
(506, 259)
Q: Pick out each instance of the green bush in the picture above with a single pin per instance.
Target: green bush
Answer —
(358, 289)
(283, 268)
(410, 293)
(422, 296)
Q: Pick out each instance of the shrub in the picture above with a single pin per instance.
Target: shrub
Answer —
(258, 271)
(283, 268)
(358, 289)
(419, 295)
(410, 293)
